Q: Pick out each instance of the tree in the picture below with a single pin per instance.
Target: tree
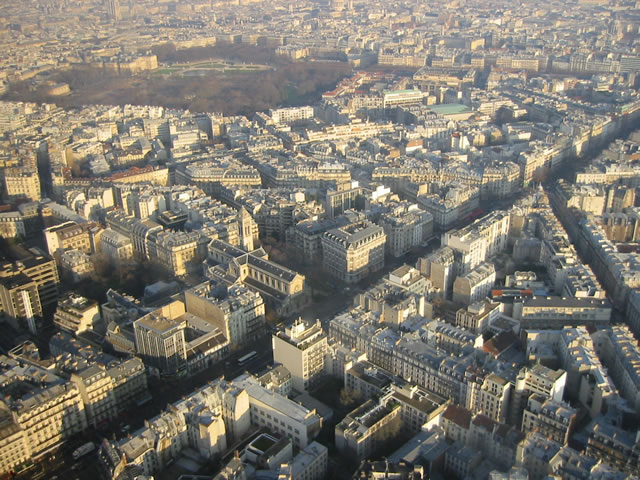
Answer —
(349, 397)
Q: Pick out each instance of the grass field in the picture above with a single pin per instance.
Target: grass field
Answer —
(201, 68)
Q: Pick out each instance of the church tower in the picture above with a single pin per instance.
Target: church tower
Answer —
(248, 230)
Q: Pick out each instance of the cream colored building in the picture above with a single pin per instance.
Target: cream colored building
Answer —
(39, 412)
(490, 398)
(351, 252)
(180, 253)
(96, 389)
(206, 421)
(69, 236)
(362, 431)
(406, 226)
(475, 285)
(301, 348)
(309, 464)
(21, 183)
(477, 316)
(553, 419)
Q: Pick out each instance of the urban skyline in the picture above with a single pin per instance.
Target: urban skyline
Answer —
(333, 239)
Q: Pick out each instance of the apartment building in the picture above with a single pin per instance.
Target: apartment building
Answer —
(346, 196)
(20, 301)
(291, 114)
(575, 351)
(236, 310)
(619, 351)
(558, 312)
(551, 418)
(535, 453)
(306, 237)
(40, 411)
(70, 236)
(301, 348)
(206, 421)
(448, 205)
(478, 316)
(479, 241)
(491, 397)
(353, 251)
(77, 264)
(309, 464)
(139, 231)
(480, 434)
(474, 286)
(612, 445)
(117, 247)
(406, 226)
(96, 389)
(22, 184)
(179, 253)
(537, 379)
(365, 429)
(440, 267)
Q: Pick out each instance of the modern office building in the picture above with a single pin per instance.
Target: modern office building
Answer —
(160, 338)
(301, 348)
(274, 412)
(75, 314)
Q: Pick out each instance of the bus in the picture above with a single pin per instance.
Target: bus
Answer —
(247, 358)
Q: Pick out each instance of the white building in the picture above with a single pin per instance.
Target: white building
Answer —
(301, 348)
(475, 285)
(479, 241)
(279, 414)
